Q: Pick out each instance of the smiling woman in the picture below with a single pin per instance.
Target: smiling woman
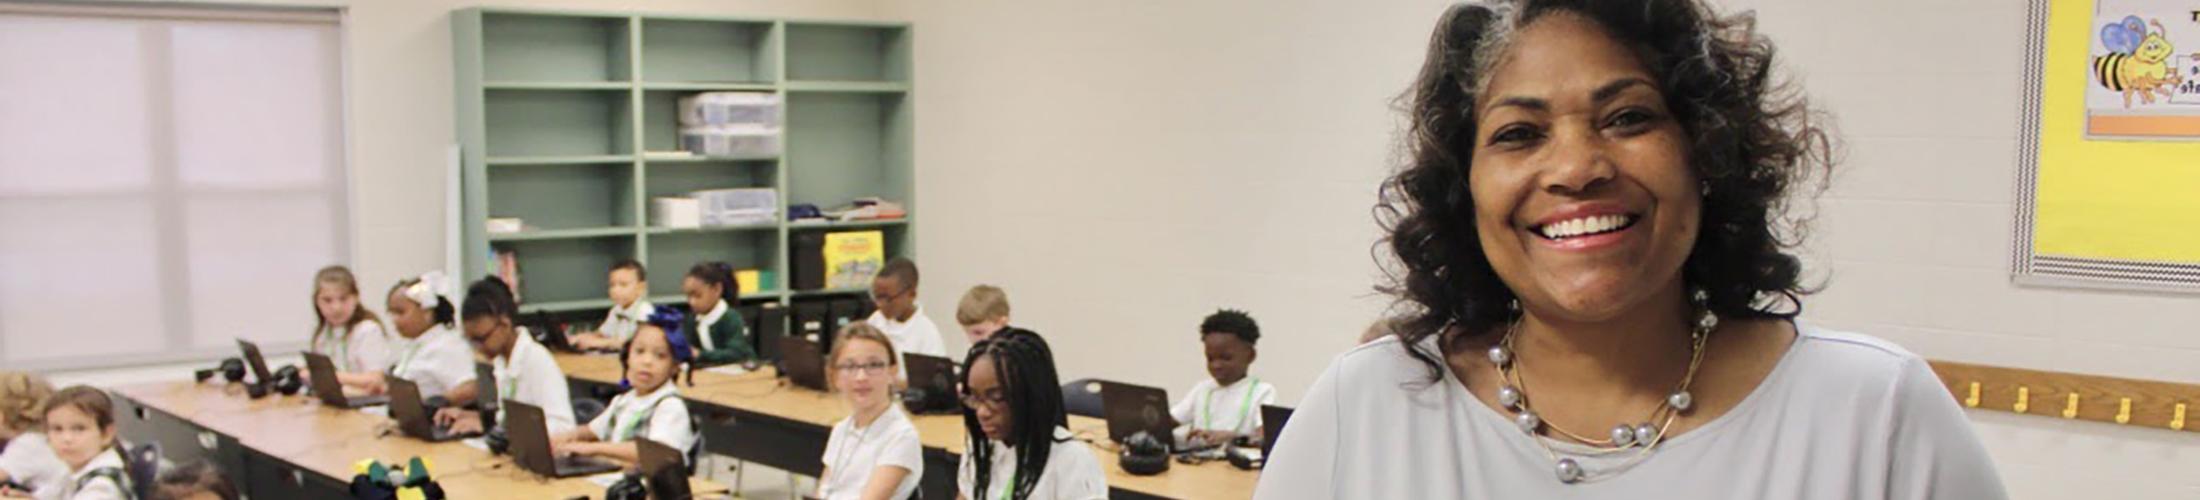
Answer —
(1595, 201)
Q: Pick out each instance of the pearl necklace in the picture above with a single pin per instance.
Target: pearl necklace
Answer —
(1641, 438)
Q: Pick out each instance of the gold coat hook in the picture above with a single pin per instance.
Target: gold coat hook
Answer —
(1972, 401)
(2123, 411)
(2024, 400)
(2070, 409)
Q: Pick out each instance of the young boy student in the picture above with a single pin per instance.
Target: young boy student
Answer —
(984, 310)
(1226, 405)
(898, 315)
(629, 308)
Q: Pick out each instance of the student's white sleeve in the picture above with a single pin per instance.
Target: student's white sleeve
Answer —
(904, 450)
(833, 441)
(601, 425)
(966, 474)
(100, 489)
(444, 369)
(1079, 476)
(672, 426)
(370, 347)
(1937, 455)
(1302, 463)
(1183, 409)
(929, 342)
(544, 385)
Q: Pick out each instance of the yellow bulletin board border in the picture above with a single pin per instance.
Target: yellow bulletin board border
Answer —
(2068, 229)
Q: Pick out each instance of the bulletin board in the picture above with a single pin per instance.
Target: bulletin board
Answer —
(2109, 174)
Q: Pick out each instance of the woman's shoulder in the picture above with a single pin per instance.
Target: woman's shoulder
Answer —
(1822, 355)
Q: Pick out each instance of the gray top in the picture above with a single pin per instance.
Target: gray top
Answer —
(1842, 416)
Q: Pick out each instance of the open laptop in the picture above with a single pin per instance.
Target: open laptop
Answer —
(523, 424)
(1272, 418)
(664, 468)
(936, 375)
(412, 413)
(1130, 408)
(802, 363)
(253, 359)
(323, 375)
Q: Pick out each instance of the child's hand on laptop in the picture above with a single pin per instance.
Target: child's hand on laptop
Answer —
(458, 420)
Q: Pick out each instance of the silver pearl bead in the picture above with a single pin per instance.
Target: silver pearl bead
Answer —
(1623, 436)
(1509, 397)
(1528, 421)
(1646, 434)
(1569, 472)
(1499, 355)
(1680, 400)
(1707, 322)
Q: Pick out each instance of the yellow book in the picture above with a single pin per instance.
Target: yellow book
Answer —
(853, 258)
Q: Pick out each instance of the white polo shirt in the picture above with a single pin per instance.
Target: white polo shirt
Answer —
(621, 322)
(366, 350)
(529, 375)
(669, 425)
(853, 453)
(1072, 473)
(29, 461)
(437, 361)
(1235, 408)
(918, 335)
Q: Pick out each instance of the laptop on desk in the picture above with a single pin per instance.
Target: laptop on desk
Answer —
(413, 416)
(523, 424)
(322, 371)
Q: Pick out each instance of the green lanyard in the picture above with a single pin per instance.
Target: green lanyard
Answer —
(625, 430)
(342, 349)
(1244, 408)
(406, 360)
(1010, 487)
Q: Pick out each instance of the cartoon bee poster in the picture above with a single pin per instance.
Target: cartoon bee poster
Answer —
(2143, 72)
(2109, 149)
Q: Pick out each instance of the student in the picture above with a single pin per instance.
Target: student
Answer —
(875, 453)
(719, 335)
(651, 407)
(1226, 405)
(983, 310)
(1019, 446)
(194, 481)
(26, 459)
(80, 424)
(428, 353)
(629, 308)
(898, 315)
(348, 334)
(524, 370)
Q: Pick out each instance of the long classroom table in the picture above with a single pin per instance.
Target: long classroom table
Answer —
(756, 418)
(293, 447)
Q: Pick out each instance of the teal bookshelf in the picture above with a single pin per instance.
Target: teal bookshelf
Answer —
(563, 117)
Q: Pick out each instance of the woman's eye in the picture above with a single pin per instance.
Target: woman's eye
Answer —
(1631, 118)
(1514, 135)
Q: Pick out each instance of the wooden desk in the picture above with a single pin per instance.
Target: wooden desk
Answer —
(292, 447)
(757, 418)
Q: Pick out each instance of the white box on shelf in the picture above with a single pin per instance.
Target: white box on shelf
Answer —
(731, 140)
(675, 212)
(505, 225)
(738, 206)
(730, 108)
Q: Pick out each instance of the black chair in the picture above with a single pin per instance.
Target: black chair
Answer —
(1082, 397)
(144, 469)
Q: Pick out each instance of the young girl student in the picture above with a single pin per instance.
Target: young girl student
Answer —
(1019, 446)
(431, 354)
(348, 334)
(719, 335)
(629, 308)
(80, 424)
(524, 370)
(27, 462)
(1227, 404)
(875, 453)
(651, 408)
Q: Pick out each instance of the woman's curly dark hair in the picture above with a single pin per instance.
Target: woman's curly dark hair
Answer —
(1751, 140)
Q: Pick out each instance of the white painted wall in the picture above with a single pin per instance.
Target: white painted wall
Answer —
(1123, 168)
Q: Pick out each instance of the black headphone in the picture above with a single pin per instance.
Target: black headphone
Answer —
(1144, 456)
(287, 381)
(231, 369)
